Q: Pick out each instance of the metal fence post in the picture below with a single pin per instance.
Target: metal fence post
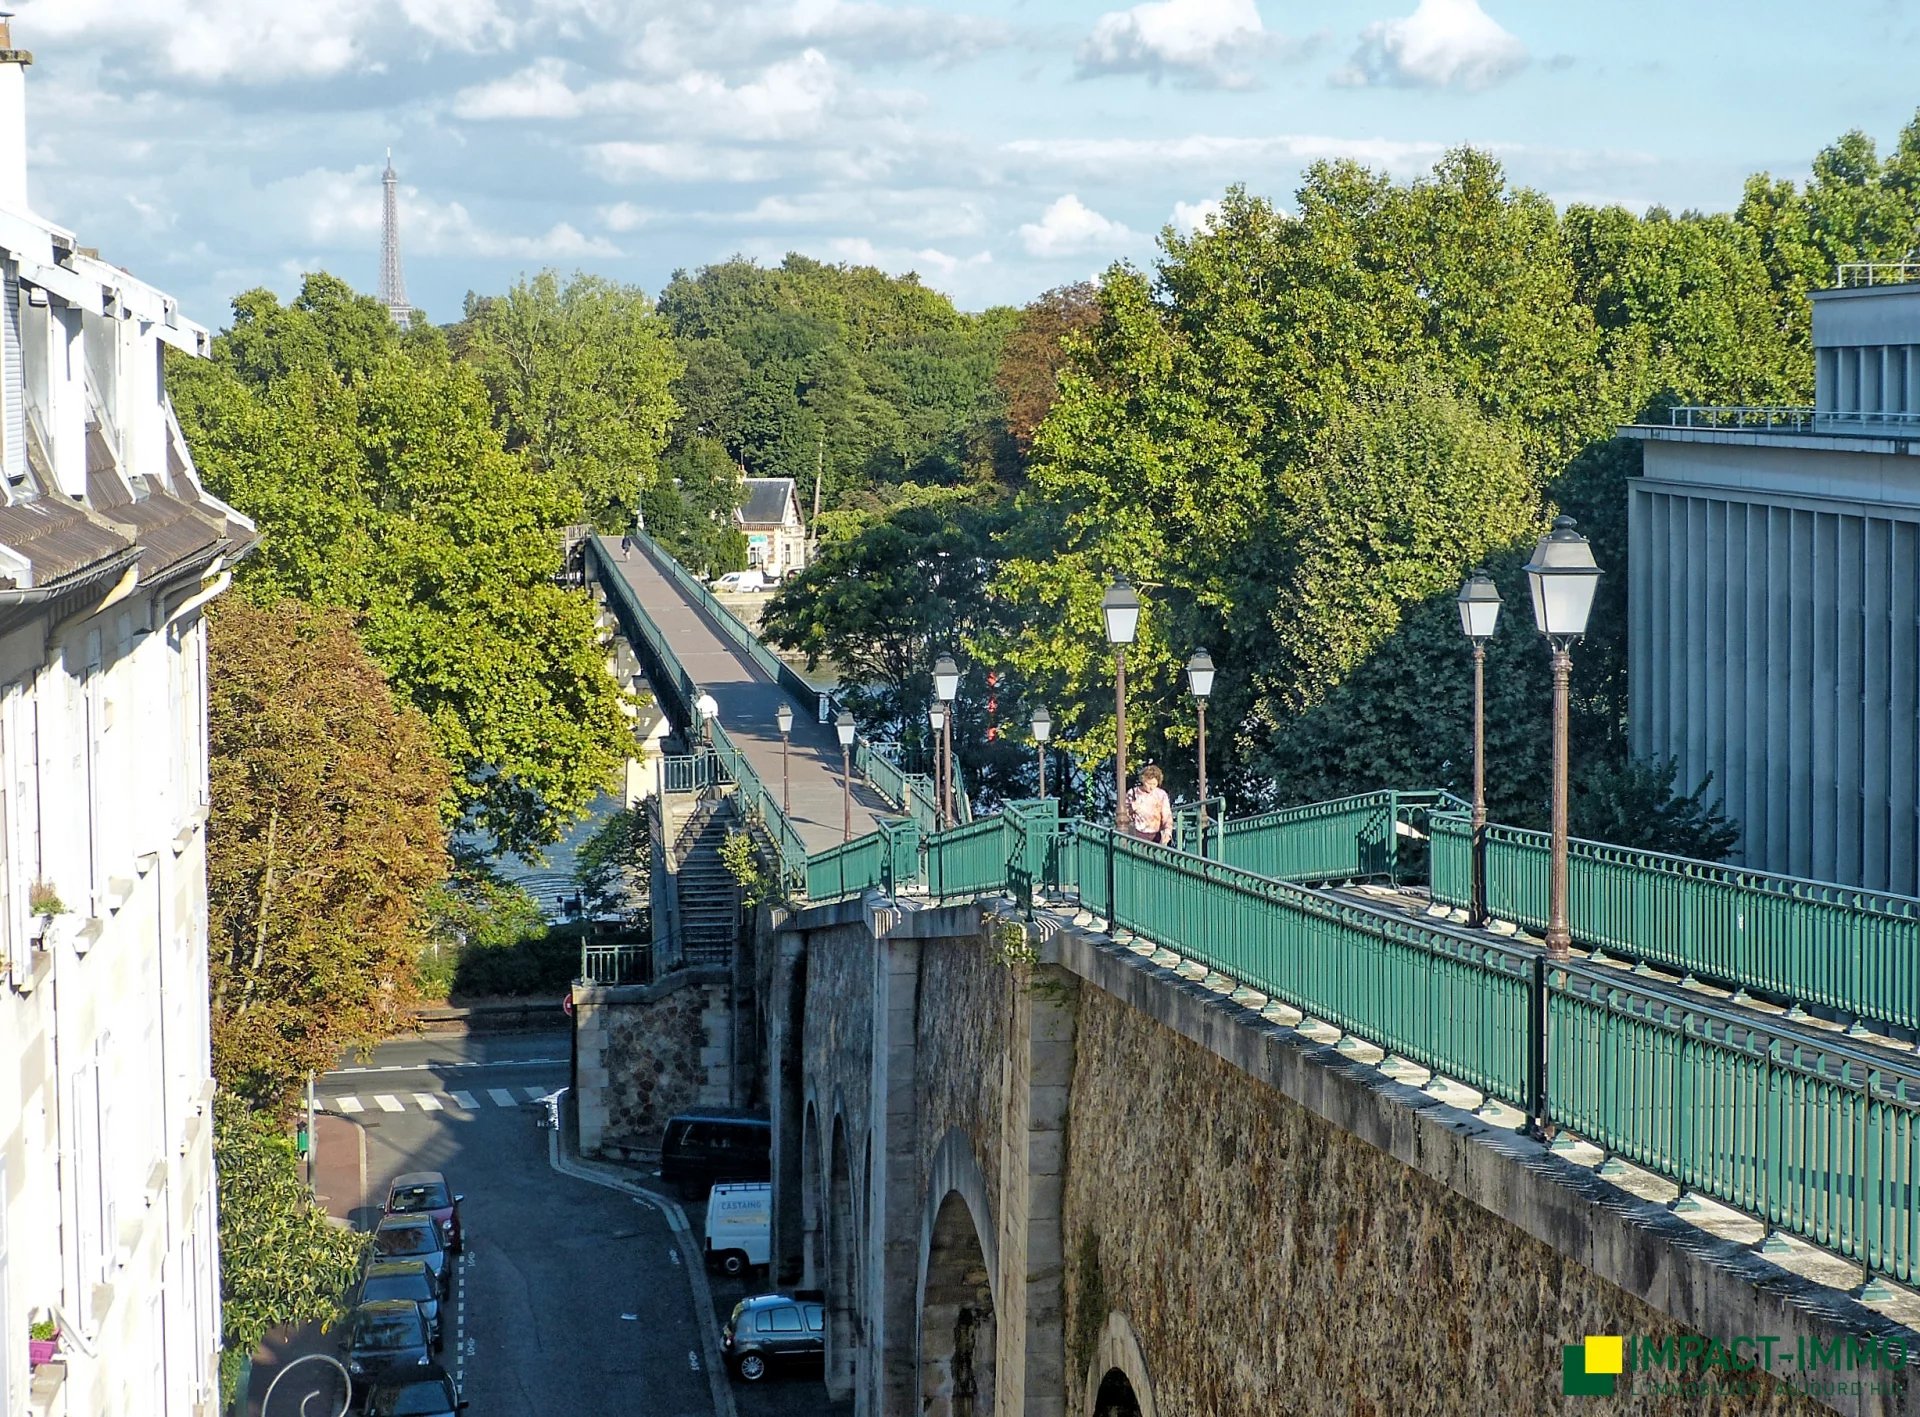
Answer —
(1537, 1046)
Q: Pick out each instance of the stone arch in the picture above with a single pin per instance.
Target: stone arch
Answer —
(959, 1271)
(1117, 1382)
(811, 1211)
(843, 1339)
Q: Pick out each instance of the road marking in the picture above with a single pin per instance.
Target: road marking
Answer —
(443, 1067)
(389, 1103)
(347, 1104)
(502, 1097)
(428, 1102)
(674, 1255)
(693, 1360)
(465, 1100)
(536, 1094)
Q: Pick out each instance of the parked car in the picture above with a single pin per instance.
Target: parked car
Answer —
(739, 1226)
(717, 1144)
(427, 1193)
(741, 581)
(426, 1393)
(414, 1237)
(386, 1335)
(773, 1330)
(404, 1279)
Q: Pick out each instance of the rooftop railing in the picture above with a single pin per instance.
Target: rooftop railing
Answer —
(1850, 274)
(1771, 418)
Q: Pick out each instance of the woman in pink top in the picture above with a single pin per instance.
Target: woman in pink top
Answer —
(1150, 809)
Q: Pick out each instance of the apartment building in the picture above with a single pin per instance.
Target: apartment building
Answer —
(109, 553)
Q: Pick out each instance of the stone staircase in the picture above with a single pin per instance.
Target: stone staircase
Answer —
(709, 897)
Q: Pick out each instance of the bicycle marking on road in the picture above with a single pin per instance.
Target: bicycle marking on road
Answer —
(502, 1098)
(693, 1359)
(347, 1104)
(389, 1103)
(427, 1101)
(465, 1101)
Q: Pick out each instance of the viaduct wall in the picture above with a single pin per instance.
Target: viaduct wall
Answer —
(646, 1051)
(1037, 1174)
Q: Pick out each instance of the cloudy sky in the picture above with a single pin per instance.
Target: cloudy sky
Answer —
(998, 147)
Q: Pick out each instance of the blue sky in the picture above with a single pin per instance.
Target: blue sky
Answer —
(998, 148)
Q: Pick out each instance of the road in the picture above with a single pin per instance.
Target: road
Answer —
(571, 1300)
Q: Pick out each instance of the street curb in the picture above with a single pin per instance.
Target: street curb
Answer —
(691, 1259)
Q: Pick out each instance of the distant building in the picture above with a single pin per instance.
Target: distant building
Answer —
(109, 552)
(770, 518)
(1774, 593)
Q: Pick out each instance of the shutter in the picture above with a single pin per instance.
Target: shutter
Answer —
(13, 427)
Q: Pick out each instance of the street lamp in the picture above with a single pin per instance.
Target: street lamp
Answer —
(1200, 681)
(843, 725)
(937, 720)
(1121, 609)
(1479, 614)
(1042, 731)
(946, 686)
(784, 717)
(1562, 577)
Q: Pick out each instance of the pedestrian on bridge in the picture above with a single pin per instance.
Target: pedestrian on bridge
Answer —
(1149, 808)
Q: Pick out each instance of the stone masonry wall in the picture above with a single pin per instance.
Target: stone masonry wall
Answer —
(838, 1039)
(965, 995)
(1271, 1262)
(648, 1053)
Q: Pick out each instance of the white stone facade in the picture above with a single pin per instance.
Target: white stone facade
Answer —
(109, 550)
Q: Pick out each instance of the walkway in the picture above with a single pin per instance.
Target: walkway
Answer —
(748, 699)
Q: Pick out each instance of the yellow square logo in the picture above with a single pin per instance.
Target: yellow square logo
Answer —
(1605, 1354)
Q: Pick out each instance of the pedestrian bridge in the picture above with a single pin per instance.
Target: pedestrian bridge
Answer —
(1065, 1119)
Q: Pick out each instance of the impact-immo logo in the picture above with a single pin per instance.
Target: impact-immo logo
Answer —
(1689, 1365)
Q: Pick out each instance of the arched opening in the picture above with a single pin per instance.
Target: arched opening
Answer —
(810, 1216)
(843, 1338)
(957, 1335)
(1115, 1397)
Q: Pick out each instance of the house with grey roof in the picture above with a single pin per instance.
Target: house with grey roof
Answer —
(769, 517)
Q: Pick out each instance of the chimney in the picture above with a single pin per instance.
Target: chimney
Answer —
(13, 118)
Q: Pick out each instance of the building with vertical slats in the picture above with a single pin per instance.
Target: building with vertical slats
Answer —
(1774, 599)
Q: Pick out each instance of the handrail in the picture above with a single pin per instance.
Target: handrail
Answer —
(1735, 415)
(1851, 274)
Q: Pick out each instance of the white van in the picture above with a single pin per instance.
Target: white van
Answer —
(739, 1225)
(741, 581)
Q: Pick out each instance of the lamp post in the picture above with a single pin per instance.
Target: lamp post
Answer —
(946, 685)
(1120, 607)
(1479, 614)
(937, 720)
(843, 725)
(1200, 681)
(1562, 577)
(1042, 724)
(784, 717)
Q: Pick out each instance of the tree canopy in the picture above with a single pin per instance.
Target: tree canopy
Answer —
(372, 464)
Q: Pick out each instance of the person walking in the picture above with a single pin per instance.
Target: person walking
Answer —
(1149, 807)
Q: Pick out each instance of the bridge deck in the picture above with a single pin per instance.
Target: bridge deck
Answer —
(748, 699)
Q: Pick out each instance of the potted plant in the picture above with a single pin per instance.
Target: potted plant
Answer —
(44, 903)
(43, 1342)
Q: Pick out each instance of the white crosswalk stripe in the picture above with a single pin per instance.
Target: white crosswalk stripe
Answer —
(536, 1094)
(502, 1097)
(427, 1101)
(347, 1104)
(388, 1103)
(451, 1103)
(464, 1100)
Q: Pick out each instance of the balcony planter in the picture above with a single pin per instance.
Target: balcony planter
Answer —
(43, 1343)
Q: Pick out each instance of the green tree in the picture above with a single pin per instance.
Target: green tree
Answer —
(614, 865)
(372, 465)
(281, 1260)
(581, 374)
(328, 824)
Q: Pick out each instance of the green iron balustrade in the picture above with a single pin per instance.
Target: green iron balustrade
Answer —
(1806, 942)
(886, 859)
(1347, 839)
(968, 860)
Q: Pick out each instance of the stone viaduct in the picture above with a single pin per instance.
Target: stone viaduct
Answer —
(1036, 1172)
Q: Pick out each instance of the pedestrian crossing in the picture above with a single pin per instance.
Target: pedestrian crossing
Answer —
(452, 1104)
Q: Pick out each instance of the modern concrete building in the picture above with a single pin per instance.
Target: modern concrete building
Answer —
(109, 551)
(776, 533)
(1774, 587)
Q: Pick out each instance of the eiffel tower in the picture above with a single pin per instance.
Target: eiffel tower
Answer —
(393, 282)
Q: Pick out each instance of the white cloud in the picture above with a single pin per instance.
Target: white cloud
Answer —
(1442, 44)
(625, 216)
(343, 209)
(723, 33)
(1071, 228)
(681, 162)
(1189, 217)
(537, 91)
(859, 251)
(1200, 41)
(245, 41)
(1233, 156)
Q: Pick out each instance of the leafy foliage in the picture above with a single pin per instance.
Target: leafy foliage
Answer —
(580, 374)
(371, 463)
(614, 865)
(328, 824)
(281, 1260)
(1639, 802)
(477, 920)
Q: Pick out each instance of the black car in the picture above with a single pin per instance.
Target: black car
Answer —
(717, 1144)
(385, 1336)
(772, 1330)
(404, 1279)
(427, 1393)
(414, 1237)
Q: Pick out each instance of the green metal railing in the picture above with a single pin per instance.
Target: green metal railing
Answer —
(760, 808)
(1807, 942)
(642, 632)
(1348, 839)
(969, 860)
(1187, 836)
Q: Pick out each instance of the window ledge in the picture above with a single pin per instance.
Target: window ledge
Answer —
(47, 1395)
